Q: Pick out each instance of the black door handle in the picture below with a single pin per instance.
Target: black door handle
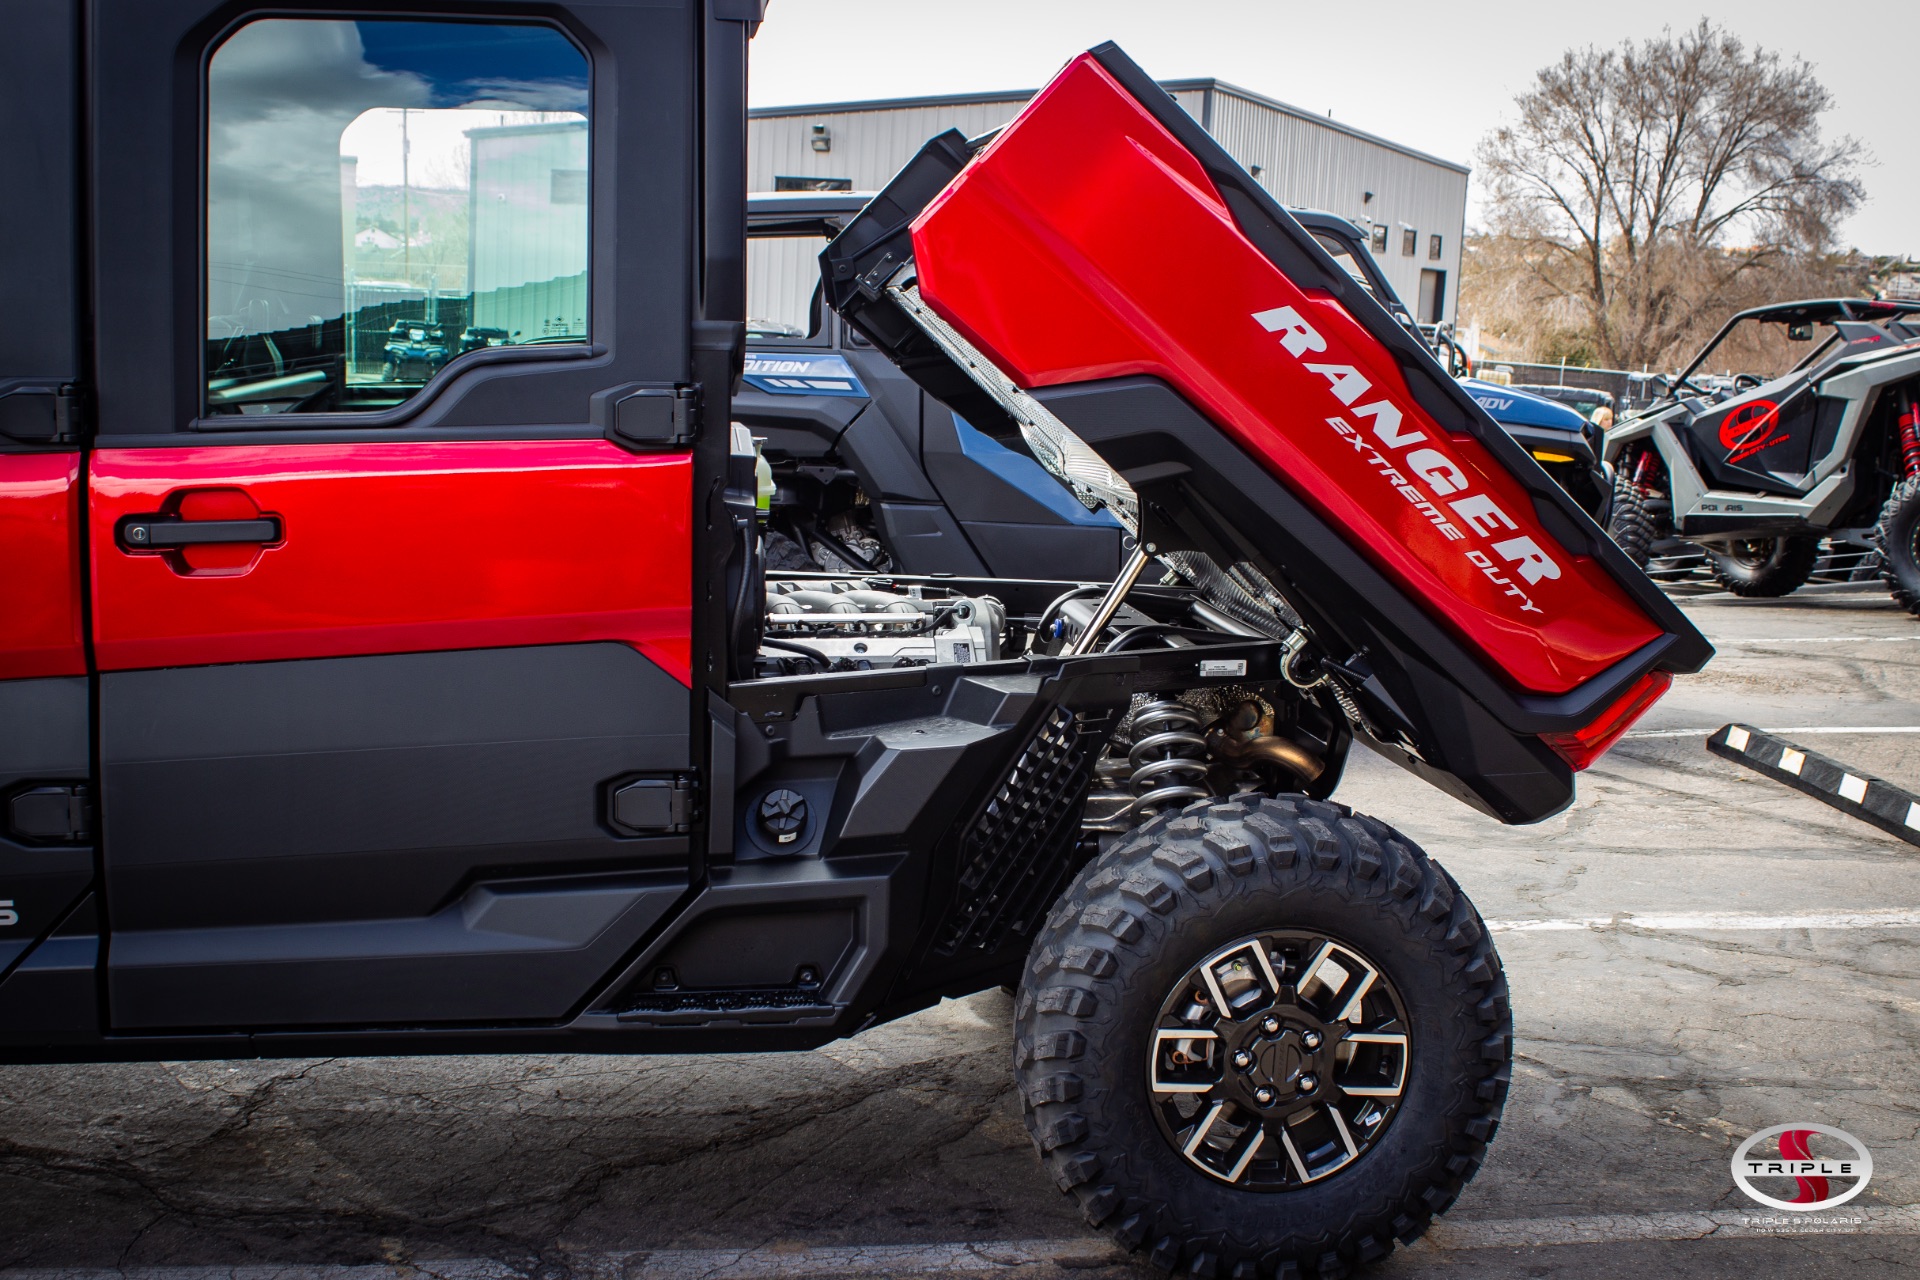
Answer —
(141, 533)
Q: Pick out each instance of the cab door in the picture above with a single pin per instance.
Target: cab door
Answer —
(390, 526)
(46, 862)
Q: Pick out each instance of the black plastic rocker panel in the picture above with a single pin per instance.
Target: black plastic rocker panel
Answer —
(414, 838)
(764, 953)
(46, 819)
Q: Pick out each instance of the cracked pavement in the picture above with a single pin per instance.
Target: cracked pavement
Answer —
(1643, 1057)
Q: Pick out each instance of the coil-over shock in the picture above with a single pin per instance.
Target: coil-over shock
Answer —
(1165, 764)
(1907, 416)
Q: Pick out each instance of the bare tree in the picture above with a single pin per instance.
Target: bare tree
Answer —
(1642, 184)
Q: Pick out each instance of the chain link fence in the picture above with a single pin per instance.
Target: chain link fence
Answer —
(1629, 390)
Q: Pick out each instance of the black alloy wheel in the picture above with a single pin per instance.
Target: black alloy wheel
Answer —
(1263, 1037)
(1279, 1060)
(1761, 568)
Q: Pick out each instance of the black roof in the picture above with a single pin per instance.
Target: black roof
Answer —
(1822, 310)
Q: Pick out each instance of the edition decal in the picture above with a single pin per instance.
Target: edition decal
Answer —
(800, 373)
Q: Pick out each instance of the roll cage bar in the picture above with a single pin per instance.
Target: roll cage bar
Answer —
(1808, 311)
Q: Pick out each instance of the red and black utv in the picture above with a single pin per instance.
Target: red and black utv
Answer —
(343, 712)
(1810, 433)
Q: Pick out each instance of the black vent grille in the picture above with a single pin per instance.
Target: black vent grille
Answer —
(1018, 853)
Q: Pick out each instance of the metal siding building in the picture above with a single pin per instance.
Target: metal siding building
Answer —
(1305, 160)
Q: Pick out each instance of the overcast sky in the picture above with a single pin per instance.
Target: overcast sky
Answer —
(1431, 75)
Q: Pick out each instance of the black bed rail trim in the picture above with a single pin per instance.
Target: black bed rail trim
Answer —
(778, 697)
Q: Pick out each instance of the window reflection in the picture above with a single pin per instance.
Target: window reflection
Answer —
(384, 197)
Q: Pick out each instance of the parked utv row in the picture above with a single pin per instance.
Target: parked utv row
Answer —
(1816, 435)
(520, 709)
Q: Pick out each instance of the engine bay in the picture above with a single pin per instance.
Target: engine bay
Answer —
(1223, 737)
(853, 624)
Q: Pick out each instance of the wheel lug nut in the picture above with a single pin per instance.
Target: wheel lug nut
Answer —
(1263, 1096)
(1242, 1059)
(1309, 1082)
(1311, 1039)
(1270, 1026)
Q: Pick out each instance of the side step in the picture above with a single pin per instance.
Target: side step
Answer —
(783, 1005)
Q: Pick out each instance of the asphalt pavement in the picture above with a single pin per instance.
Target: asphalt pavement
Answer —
(1696, 953)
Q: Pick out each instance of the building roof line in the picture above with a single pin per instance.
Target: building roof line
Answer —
(541, 126)
(891, 104)
(1204, 85)
(1287, 108)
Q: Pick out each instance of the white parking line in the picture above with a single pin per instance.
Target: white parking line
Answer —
(1720, 921)
(1798, 728)
(1723, 643)
(1876, 1220)
(798, 1262)
(882, 1260)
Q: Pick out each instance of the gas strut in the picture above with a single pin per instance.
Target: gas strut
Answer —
(1110, 602)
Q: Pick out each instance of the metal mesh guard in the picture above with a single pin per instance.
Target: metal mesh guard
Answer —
(1018, 853)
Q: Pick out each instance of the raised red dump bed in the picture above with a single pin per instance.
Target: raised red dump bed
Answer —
(1110, 258)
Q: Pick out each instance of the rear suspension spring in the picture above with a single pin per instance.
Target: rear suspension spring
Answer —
(1169, 755)
(1166, 765)
(1908, 416)
(1645, 468)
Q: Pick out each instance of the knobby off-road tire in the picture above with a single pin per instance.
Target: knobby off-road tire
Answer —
(1630, 524)
(1141, 917)
(782, 554)
(1764, 567)
(1898, 529)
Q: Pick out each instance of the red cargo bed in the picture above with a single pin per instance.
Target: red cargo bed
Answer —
(1085, 242)
(1118, 266)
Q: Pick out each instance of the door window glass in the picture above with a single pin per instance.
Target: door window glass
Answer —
(384, 197)
(783, 274)
(1343, 254)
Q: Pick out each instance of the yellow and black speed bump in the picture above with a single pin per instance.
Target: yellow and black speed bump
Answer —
(1866, 797)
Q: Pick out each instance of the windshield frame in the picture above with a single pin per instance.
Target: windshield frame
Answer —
(1821, 348)
(800, 223)
(1864, 310)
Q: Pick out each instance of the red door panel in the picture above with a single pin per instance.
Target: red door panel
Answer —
(40, 627)
(392, 548)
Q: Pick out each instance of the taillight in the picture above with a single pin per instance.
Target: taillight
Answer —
(1583, 746)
